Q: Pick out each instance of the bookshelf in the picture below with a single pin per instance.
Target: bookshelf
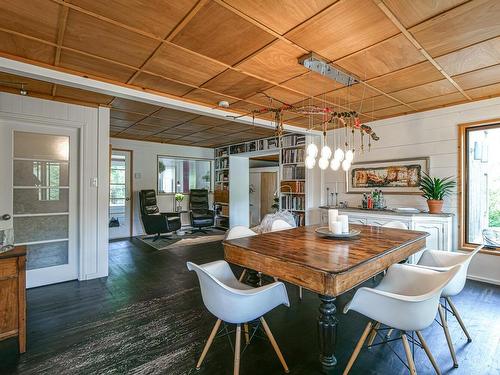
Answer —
(292, 176)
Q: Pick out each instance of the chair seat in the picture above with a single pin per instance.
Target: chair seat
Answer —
(202, 215)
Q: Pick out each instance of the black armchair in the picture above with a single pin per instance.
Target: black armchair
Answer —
(154, 221)
(201, 216)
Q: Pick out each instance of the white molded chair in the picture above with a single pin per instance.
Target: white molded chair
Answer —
(406, 299)
(280, 224)
(395, 224)
(443, 261)
(234, 302)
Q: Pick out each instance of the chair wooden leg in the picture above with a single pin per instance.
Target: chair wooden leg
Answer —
(448, 337)
(237, 350)
(428, 352)
(242, 275)
(373, 334)
(409, 357)
(274, 344)
(459, 318)
(209, 343)
(300, 293)
(247, 335)
(358, 347)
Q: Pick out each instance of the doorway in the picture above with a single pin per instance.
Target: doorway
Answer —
(39, 190)
(263, 186)
(120, 194)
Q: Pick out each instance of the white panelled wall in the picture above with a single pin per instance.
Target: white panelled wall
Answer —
(145, 172)
(93, 126)
(433, 134)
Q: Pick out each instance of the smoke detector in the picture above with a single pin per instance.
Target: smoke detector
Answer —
(223, 104)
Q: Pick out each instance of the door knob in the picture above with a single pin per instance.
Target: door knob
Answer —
(127, 199)
(6, 217)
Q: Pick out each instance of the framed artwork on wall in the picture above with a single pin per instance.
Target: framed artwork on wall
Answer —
(400, 176)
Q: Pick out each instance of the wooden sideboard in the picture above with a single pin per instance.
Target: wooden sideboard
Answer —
(439, 226)
(13, 295)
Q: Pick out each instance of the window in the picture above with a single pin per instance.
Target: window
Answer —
(182, 175)
(117, 181)
(480, 185)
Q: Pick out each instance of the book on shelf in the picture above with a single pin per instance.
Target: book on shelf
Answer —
(293, 202)
(292, 186)
(300, 218)
(293, 140)
(292, 155)
(293, 172)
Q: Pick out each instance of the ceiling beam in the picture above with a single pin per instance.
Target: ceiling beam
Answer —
(61, 28)
(394, 19)
(51, 75)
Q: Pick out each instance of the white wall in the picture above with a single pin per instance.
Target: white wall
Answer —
(145, 172)
(239, 196)
(434, 134)
(93, 125)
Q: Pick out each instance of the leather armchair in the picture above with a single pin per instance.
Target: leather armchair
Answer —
(154, 221)
(201, 216)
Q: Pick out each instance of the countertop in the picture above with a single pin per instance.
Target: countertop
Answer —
(387, 212)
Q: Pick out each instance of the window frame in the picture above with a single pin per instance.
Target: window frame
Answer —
(463, 177)
(211, 161)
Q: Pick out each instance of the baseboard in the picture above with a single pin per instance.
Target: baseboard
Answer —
(484, 279)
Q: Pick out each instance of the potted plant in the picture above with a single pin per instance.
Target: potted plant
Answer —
(435, 189)
(179, 197)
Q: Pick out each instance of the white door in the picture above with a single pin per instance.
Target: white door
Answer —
(38, 186)
(120, 193)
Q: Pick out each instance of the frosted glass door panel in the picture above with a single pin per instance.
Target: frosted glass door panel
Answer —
(41, 146)
(40, 173)
(40, 228)
(47, 255)
(41, 200)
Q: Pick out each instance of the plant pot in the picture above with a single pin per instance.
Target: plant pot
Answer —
(435, 206)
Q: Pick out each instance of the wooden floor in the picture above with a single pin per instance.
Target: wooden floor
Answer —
(147, 317)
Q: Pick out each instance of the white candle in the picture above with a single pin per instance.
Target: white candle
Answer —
(336, 227)
(332, 218)
(345, 223)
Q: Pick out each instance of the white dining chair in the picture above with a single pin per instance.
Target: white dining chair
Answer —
(443, 261)
(239, 231)
(280, 224)
(236, 303)
(406, 299)
(396, 224)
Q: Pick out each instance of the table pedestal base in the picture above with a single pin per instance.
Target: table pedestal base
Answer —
(327, 331)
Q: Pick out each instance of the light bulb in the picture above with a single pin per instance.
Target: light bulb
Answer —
(335, 164)
(349, 155)
(326, 152)
(310, 162)
(346, 165)
(339, 154)
(312, 150)
(323, 163)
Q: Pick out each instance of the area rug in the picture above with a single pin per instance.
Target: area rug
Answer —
(177, 241)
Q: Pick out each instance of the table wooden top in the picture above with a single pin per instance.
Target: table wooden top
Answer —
(302, 257)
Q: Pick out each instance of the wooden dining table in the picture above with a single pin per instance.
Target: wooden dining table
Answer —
(323, 265)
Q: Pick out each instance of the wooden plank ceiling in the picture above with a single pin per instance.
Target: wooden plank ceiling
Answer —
(410, 55)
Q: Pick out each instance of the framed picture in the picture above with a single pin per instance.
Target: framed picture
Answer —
(401, 176)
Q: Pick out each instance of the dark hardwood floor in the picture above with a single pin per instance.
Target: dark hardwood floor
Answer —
(147, 317)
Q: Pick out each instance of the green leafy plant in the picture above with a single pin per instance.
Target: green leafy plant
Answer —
(179, 197)
(434, 188)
